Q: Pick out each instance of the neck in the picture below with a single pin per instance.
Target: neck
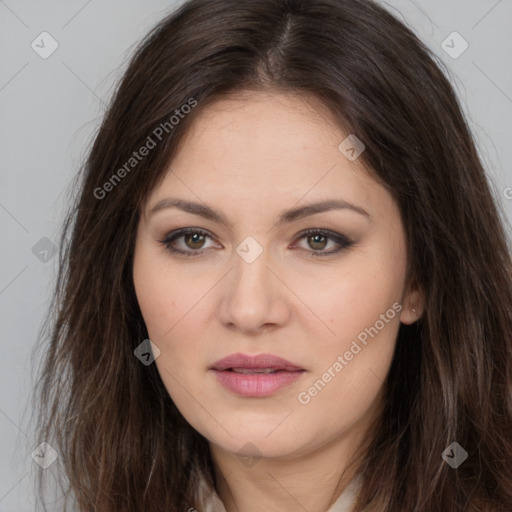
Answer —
(310, 481)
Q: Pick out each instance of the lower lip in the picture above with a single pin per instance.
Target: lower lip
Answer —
(257, 385)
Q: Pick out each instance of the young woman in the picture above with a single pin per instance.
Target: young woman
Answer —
(285, 283)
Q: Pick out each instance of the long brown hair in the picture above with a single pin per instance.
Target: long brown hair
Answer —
(123, 445)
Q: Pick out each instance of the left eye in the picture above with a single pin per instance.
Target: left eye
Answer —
(194, 240)
(318, 239)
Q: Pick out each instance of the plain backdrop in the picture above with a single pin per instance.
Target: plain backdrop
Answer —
(51, 105)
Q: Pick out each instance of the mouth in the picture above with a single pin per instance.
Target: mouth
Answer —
(256, 376)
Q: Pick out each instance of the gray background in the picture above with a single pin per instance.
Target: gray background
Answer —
(50, 109)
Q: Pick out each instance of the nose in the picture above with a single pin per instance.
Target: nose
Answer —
(254, 296)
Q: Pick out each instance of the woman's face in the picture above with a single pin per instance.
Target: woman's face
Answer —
(251, 282)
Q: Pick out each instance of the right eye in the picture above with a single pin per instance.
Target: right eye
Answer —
(192, 237)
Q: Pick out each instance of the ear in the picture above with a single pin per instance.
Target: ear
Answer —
(413, 299)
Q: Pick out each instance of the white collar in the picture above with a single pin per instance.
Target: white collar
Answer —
(211, 501)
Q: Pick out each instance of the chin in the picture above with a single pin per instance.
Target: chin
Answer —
(257, 443)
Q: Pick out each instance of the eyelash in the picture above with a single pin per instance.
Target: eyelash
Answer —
(340, 239)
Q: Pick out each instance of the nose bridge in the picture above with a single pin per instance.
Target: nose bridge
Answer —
(252, 297)
(251, 272)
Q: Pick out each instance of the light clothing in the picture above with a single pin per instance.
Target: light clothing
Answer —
(345, 502)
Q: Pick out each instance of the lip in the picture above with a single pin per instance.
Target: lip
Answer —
(260, 361)
(256, 385)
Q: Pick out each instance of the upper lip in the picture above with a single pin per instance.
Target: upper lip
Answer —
(255, 362)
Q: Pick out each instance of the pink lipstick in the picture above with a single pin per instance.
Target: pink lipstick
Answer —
(255, 376)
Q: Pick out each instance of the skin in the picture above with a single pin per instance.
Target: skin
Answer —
(250, 157)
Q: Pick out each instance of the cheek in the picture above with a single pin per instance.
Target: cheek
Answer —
(352, 300)
(164, 295)
(154, 297)
(166, 301)
(362, 333)
(361, 318)
(351, 362)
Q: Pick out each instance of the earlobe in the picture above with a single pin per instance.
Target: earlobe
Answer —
(413, 305)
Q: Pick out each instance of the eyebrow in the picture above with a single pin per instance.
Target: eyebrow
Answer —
(285, 217)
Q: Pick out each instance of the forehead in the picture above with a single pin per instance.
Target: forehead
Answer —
(268, 127)
(260, 148)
